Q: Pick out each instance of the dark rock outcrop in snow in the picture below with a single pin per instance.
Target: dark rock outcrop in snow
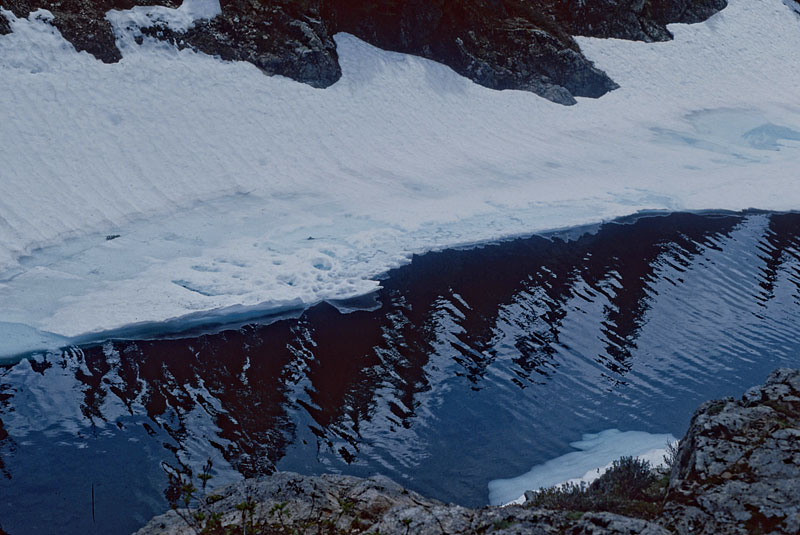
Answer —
(285, 37)
(508, 44)
(5, 28)
(83, 22)
(737, 472)
(501, 44)
(640, 20)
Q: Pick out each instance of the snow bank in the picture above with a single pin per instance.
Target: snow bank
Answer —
(596, 455)
(237, 193)
(179, 20)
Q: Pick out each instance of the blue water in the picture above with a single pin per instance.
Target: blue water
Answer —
(468, 366)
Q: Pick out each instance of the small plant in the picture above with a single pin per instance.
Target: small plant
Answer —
(248, 509)
(716, 408)
(193, 506)
(630, 487)
(671, 457)
(503, 524)
(205, 475)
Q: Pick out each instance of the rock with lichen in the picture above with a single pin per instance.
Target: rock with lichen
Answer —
(738, 467)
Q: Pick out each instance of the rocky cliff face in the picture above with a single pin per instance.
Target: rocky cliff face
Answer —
(501, 44)
(286, 37)
(510, 44)
(640, 20)
(738, 468)
(737, 472)
(83, 22)
(4, 26)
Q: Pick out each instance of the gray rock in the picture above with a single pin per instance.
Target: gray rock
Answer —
(738, 468)
(608, 524)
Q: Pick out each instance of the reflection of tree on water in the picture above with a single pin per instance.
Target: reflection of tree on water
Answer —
(778, 246)
(239, 391)
(237, 378)
(633, 260)
(6, 446)
(546, 274)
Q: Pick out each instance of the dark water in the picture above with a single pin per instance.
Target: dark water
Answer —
(471, 365)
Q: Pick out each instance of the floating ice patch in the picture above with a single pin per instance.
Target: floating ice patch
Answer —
(596, 454)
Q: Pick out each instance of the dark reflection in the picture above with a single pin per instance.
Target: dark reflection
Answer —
(240, 379)
(779, 246)
(503, 325)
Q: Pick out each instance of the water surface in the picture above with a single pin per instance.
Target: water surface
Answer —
(467, 366)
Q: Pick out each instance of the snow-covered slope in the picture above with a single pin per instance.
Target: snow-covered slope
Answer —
(215, 177)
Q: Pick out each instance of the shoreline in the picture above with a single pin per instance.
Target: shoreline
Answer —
(735, 471)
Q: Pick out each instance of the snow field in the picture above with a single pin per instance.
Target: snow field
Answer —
(596, 453)
(216, 176)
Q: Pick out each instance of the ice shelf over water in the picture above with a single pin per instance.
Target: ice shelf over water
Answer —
(234, 193)
(596, 453)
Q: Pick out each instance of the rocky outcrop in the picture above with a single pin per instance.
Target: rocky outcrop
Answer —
(640, 20)
(511, 44)
(285, 37)
(738, 467)
(83, 22)
(5, 28)
(737, 471)
(501, 44)
(290, 503)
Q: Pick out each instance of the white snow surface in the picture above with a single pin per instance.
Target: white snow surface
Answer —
(596, 453)
(215, 176)
(179, 20)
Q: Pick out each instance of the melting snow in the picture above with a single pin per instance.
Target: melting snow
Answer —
(235, 193)
(596, 455)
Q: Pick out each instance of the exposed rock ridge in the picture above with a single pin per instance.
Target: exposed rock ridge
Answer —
(285, 37)
(501, 44)
(5, 28)
(737, 472)
(738, 467)
(640, 20)
(83, 22)
(509, 44)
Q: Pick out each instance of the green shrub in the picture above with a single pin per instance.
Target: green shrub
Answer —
(630, 487)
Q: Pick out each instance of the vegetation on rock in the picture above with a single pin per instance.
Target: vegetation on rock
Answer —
(631, 487)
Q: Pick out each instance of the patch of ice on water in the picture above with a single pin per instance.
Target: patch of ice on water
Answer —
(595, 455)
